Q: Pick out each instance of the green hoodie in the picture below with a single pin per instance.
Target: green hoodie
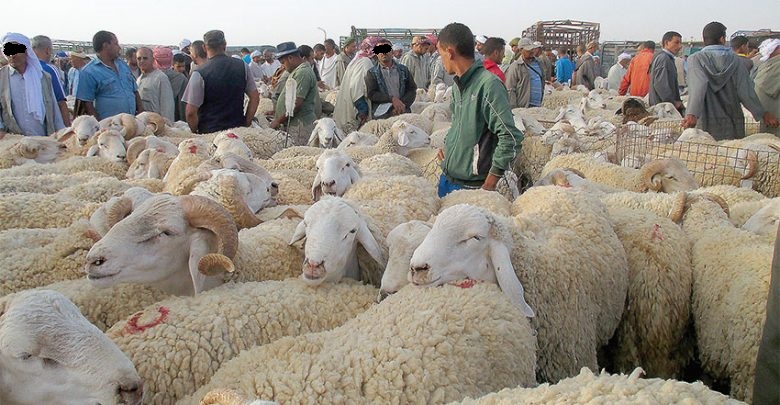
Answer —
(483, 138)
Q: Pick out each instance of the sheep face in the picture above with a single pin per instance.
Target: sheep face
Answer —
(466, 242)
(149, 165)
(358, 139)
(326, 134)
(258, 192)
(84, 127)
(401, 242)
(572, 116)
(561, 177)
(409, 136)
(593, 101)
(765, 221)
(165, 242)
(668, 176)
(665, 110)
(228, 142)
(50, 353)
(110, 146)
(333, 230)
(336, 173)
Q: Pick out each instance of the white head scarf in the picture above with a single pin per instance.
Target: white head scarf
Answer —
(767, 47)
(624, 56)
(32, 76)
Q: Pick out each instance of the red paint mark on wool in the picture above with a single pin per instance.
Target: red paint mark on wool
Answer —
(467, 283)
(133, 327)
(193, 149)
(232, 135)
(657, 234)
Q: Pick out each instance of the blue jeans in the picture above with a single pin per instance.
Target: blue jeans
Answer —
(446, 186)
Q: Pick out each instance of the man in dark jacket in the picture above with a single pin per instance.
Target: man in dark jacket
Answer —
(389, 85)
(663, 73)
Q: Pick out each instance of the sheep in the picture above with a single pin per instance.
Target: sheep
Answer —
(569, 331)
(659, 175)
(560, 98)
(264, 252)
(228, 142)
(695, 135)
(32, 210)
(455, 342)
(400, 138)
(186, 231)
(98, 190)
(127, 125)
(81, 129)
(242, 194)
(657, 310)
(356, 138)
(11, 239)
(261, 141)
(214, 327)
(150, 164)
(183, 174)
(69, 165)
(137, 145)
(765, 221)
(401, 243)
(379, 127)
(605, 388)
(593, 101)
(47, 183)
(108, 144)
(294, 186)
(62, 259)
(665, 111)
(336, 173)
(389, 164)
(438, 112)
(30, 150)
(50, 353)
(439, 137)
(325, 134)
(117, 208)
(491, 201)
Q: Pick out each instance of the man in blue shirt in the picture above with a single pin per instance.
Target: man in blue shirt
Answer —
(563, 67)
(42, 47)
(106, 85)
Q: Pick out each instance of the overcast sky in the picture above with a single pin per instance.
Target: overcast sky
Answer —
(267, 22)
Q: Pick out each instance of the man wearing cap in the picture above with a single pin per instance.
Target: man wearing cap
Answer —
(663, 73)
(389, 84)
(617, 71)
(345, 57)
(185, 46)
(636, 82)
(483, 140)
(525, 77)
(717, 83)
(106, 85)
(563, 67)
(767, 82)
(270, 66)
(153, 86)
(42, 47)
(515, 48)
(215, 92)
(585, 69)
(417, 62)
(479, 43)
(301, 123)
(164, 60)
(77, 62)
(256, 66)
(27, 103)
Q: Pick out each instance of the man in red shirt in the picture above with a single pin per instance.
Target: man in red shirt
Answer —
(638, 75)
(494, 55)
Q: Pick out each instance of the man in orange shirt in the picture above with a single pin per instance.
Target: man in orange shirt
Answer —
(638, 75)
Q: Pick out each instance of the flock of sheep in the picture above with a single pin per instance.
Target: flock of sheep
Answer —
(230, 268)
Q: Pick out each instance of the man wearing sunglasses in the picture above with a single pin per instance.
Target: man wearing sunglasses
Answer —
(27, 103)
(417, 61)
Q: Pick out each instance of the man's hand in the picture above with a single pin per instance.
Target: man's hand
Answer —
(440, 154)
(770, 120)
(398, 106)
(678, 105)
(362, 118)
(277, 122)
(490, 182)
(689, 121)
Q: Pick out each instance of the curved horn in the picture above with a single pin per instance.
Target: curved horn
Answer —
(28, 151)
(156, 121)
(201, 212)
(235, 204)
(716, 199)
(223, 396)
(773, 146)
(752, 163)
(678, 209)
(136, 146)
(129, 126)
(117, 211)
(647, 172)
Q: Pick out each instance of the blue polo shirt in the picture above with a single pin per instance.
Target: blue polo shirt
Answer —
(59, 94)
(111, 92)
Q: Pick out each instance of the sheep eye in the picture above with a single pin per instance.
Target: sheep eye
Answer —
(353, 231)
(477, 237)
(166, 233)
(25, 356)
(50, 362)
(347, 164)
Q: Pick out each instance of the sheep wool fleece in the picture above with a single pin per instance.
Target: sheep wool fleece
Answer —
(179, 343)
(456, 342)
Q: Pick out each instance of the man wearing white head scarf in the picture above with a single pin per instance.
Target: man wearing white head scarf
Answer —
(256, 65)
(617, 71)
(767, 82)
(27, 103)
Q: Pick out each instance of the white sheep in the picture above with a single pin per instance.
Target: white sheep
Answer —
(137, 145)
(229, 142)
(336, 173)
(765, 221)
(46, 183)
(109, 145)
(82, 129)
(150, 164)
(326, 134)
(432, 345)
(50, 353)
(356, 138)
(126, 125)
(242, 194)
(665, 111)
(31, 149)
(400, 139)
(401, 243)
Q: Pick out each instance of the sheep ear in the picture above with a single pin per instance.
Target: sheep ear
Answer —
(67, 135)
(354, 174)
(403, 138)
(339, 135)
(93, 150)
(655, 182)
(366, 239)
(314, 138)
(300, 233)
(316, 188)
(507, 278)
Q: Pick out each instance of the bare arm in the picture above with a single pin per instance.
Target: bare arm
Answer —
(251, 108)
(138, 107)
(89, 107)
(65, 113)
(191, 114)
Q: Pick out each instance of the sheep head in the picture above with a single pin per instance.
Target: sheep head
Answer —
(153, 120)
(168, 242)
(50, 352)
(242, 194)
(468, 242)
(665, 110)
(561, 177)
(325, 134)
(593, 101)
(401, 243)
(83, 127)
(150, 164)
(358, 139)
(765, 221)
(229, 142)
(333, 229)
(666, 176)
(110, 146)
(336, 173)
(409, 136)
